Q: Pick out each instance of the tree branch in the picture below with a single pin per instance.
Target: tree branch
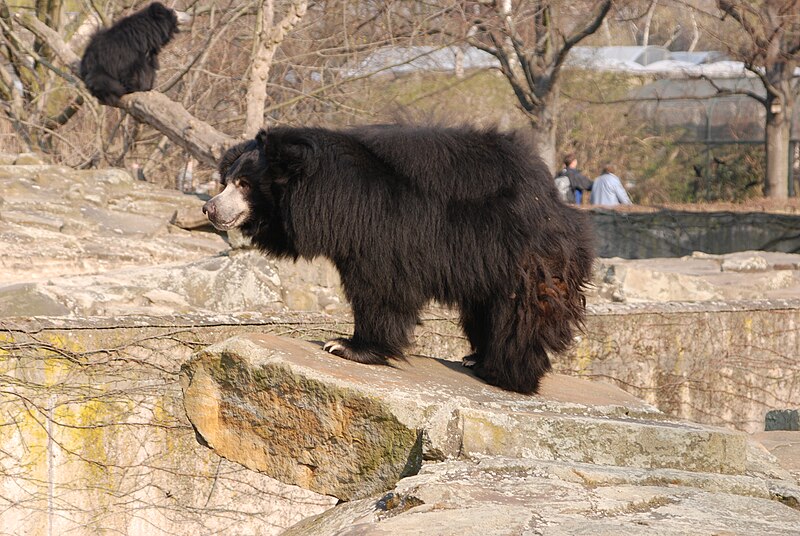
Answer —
(721, 91)
(57, 45)
(15, 51)
(197, 137)
(729, 8)
(208, 46)
(53, 122)
(524, 96)
(576, 38)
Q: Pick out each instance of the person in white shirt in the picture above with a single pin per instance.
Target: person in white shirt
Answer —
(608, 190)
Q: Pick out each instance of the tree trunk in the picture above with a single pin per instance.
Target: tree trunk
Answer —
(259, 69)
(776, 185)
(267, 39)
(543, 123)
(695, 32)
(648, 21)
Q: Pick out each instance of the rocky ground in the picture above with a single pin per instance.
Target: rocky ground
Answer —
(580, 458)
(747, 275)
(97, 242)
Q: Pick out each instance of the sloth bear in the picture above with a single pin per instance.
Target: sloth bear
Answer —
(124, 58)
(408, 214)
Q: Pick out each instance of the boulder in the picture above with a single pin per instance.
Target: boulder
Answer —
(784, 446)
(302, 416)
(698, 277)
(502, 496)
(782, 419)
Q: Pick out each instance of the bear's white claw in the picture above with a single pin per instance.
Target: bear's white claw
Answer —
(333, 347)
(469, 363)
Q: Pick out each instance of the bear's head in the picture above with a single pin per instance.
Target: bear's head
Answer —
(165, 20)
(241, 169)
(256, 175)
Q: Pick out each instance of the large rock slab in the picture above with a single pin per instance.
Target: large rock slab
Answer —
(501, 496)
(305, 417)
(59, 221)
(785, 446)
(120, 455)
(99, 243)
(238, 281)
(699, 277)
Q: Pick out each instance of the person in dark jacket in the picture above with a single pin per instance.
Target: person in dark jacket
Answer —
(578, 182)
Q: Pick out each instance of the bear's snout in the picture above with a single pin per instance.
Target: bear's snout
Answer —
(228, 209)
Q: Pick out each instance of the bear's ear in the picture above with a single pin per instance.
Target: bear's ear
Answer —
(159, 10)
(298, 156)
(261, 138)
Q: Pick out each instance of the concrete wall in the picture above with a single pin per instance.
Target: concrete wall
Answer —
(671, 233)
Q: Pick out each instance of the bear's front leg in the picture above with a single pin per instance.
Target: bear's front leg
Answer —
(381, 333)
(360, 353)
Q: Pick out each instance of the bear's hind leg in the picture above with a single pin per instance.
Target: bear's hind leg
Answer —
(141, 75)
(380, 334)
(475, 323)
(515, 358)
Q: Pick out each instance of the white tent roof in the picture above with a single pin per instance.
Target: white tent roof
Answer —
(626, 59)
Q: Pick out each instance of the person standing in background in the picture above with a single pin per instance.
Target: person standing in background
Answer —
(608, 189)
(572, 189)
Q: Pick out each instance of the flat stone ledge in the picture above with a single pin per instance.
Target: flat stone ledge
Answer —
(285, 407)
(502, 496)
(785, 446)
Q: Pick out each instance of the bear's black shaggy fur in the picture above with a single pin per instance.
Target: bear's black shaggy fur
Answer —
(124, 58)
(468, 217)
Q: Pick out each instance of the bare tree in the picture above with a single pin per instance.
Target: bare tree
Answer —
(770, 49)
(648, 20)
(218, 80)
(197, 137)
(267, 39)
(531, 40)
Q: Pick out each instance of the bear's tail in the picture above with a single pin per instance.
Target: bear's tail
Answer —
(539, 317)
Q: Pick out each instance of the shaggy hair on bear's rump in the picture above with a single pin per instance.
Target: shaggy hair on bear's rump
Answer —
(465, 216)
(124, 58)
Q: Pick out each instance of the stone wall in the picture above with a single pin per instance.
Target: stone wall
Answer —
(721, 363)
(724, 363)
(95, 437)
(673, 233)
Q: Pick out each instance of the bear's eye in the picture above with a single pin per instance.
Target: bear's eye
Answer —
(243, 184)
